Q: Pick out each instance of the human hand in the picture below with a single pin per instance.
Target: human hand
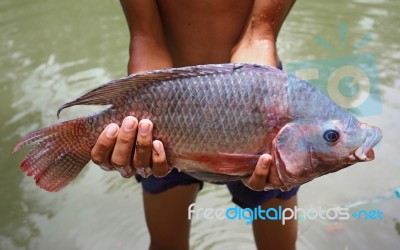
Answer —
(265, 175)
(128, 151)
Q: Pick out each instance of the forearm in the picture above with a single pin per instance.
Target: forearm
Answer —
(146, 54)
(258, 41)
(147, 49)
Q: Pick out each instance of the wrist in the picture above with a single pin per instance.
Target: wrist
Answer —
(258, 51)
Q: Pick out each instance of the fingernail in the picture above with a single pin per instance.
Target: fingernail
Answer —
(157, 147)
(149, 171)
(123, 172)
(144, 128)
(129, 123)
(265, 162)
(142, 172)
(111, 131)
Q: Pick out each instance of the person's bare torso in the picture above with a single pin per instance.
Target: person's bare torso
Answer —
(202, 31)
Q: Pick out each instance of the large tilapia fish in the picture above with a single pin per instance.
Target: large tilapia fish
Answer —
(215, 121)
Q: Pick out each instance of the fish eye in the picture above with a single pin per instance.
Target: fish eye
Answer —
(331, 135)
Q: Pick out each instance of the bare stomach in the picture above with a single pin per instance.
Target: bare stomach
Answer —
(203, 32)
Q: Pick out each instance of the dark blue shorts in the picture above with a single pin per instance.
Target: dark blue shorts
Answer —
(241, 195)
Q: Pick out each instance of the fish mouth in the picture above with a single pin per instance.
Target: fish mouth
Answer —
(369, 156)
(365, 151)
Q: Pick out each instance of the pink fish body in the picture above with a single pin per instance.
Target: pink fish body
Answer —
(215, 121)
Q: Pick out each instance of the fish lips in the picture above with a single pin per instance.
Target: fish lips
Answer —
(365, 152)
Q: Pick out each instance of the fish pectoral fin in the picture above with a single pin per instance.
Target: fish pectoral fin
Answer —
(225, 163)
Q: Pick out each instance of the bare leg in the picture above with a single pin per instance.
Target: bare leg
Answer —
(270, 234)
(167, 219)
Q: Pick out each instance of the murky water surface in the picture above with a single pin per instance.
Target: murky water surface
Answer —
(53, 51)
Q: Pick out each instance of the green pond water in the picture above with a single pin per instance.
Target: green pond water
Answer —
(53, 51)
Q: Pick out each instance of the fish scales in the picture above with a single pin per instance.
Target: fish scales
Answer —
(229, 112)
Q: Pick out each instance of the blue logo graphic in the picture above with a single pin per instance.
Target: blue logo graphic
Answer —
(351, 81)
(368, 215)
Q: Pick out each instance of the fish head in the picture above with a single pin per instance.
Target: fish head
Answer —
(304, 150)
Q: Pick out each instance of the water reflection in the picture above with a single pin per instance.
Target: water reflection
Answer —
(50, 56)
(22, 204)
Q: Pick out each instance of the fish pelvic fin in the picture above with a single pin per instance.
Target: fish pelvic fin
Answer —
(62, 152)
(222, 163)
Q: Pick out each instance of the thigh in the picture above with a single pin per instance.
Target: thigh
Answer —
(271, 234)
(167, 218)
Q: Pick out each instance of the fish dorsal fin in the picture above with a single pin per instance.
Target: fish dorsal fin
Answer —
(109, 93)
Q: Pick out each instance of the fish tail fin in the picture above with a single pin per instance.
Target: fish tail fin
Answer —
(64, 149)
